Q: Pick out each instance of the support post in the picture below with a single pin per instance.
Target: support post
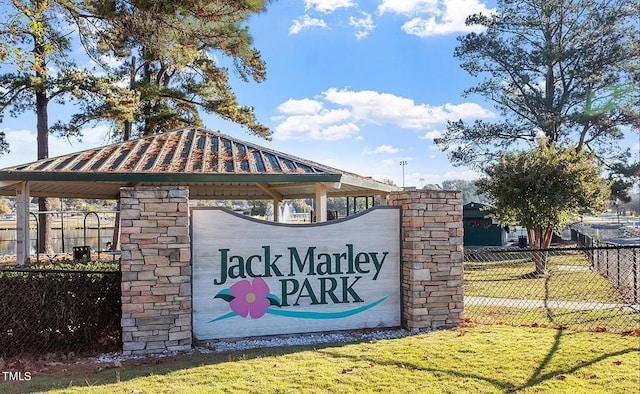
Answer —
(321, 203)
(23, 247)
(348, 211)
(276, 210)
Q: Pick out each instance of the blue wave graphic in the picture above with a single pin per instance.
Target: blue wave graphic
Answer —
(310, 315)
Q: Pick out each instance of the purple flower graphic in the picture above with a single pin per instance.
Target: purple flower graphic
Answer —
(250, 298)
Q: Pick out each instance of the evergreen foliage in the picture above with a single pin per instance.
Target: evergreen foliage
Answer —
(567, 70)
(171, 54)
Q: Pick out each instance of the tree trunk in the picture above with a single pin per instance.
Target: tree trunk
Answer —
(44, 224)
(540, 240)
(42, 119)
(146, 107)
(128, 124)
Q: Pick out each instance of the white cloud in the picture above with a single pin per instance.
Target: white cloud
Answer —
(337, 132)
(327, 6)
(407, 7)
(431, 135)
(363, 25)
(300, 107)
(382, 149)
(308, 118)
(380, 108)
(435, 17)
(386, 149)
(328, 125)
(306, 22)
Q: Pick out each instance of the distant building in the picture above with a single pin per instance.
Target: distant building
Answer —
(480, 229)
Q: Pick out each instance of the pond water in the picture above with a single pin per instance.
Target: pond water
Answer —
(72, 237)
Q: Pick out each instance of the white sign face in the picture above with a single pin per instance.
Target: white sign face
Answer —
(256, 278)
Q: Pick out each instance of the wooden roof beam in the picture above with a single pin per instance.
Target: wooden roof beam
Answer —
(276, 195)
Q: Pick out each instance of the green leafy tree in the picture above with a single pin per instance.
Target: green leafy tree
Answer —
(543, 189)
(619, 190)
(468, 188)
(259, 207)
(566, 70)
(302, 205)
(169, 53)
(625, 176)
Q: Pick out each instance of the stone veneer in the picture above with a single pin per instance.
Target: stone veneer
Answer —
(156, 270)
(432, 254)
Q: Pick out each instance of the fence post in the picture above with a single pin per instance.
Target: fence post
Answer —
(636, 276)
(607, 263)
(618, 268)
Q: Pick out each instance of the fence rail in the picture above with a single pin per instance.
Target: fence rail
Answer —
(584, 288)
(59, 311)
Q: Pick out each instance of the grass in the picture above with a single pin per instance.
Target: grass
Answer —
(578, 320)
(494, 359)
(509, 276)
(510, 279)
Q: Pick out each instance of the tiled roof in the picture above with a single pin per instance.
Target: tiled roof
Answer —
(186, 150)
(218, 165)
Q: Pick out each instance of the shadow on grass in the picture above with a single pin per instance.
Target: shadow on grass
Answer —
(525, 276)
(536, 378)
(493, 265)
(100, 374)
(97, 375)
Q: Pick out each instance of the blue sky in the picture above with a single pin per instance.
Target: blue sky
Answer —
(357, 85)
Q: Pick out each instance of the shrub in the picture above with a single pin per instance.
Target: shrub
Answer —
(62, 307)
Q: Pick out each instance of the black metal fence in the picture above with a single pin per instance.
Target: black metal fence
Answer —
(586, 288)
(45, 311)
(620, 265)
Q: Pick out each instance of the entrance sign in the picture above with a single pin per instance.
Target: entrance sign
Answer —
(256, 278)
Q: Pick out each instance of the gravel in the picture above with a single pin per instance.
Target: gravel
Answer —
(244, 344)
(307, 339)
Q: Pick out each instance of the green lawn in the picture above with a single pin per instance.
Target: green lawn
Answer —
(510, 278)
(495, 359)
(619, 321)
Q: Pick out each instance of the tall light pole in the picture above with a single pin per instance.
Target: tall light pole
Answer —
(403, 163)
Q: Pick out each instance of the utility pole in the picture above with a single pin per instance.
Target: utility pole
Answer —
(403, 163)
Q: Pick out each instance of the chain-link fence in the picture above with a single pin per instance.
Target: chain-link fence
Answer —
(45, 311)
(589, 288)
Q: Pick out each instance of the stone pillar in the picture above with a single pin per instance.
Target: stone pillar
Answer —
(432, 254)
(156, 269)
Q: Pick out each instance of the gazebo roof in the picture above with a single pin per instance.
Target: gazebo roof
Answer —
(213, 165)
